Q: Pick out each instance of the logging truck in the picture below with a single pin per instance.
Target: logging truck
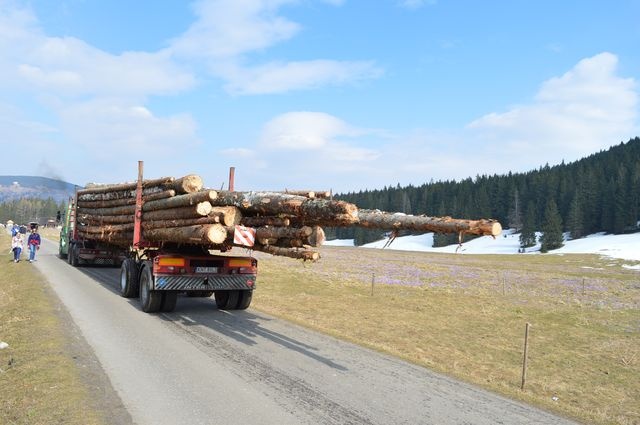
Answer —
(155, 271)
(162, 232)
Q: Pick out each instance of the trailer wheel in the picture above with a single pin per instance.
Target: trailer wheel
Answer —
(129, 285)
(150, 300)
(169, 300)
(69, 251)
(244, 299)
(227, 300)
(73, 256)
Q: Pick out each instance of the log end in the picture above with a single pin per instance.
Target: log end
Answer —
(495, 229)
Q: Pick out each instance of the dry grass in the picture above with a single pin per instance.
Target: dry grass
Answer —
(465, 316)
(39, 382)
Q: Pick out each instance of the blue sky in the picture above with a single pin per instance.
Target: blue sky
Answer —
(313, 94)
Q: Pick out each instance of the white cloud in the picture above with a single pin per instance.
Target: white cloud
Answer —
(587, 109)
(304, 131)
(228, 28)
(107, 128)
(282, 77)
(227, 32)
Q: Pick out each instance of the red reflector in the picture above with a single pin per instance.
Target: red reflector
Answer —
(249, 282)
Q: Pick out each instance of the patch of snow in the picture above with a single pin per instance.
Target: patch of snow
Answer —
(339, 242)
(625, 247)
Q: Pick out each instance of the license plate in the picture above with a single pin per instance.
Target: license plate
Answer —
(206, 270)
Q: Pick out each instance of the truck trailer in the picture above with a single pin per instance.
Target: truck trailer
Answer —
(157, 272)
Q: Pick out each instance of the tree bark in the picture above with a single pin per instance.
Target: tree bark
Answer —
(321, 194)
(107, 229)
(104, 188)
(180, 200)
(209, 234)
(124, 210)
(106, 204)
(264, 221)
(306, 255)
(375, 219)
(201, 209)
(160, 224)
(105, 219)
(307, 211)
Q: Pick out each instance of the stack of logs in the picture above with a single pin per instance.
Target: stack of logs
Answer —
(289, 223)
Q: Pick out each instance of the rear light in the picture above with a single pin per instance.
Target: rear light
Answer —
(247, 270)
(170, 265)
(240, 262)
(171, 261)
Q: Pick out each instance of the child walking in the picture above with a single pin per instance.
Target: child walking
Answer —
(17, 242)
(34, 244)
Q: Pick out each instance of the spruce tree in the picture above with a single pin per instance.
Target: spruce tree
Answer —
(515, 214)
(528, 235)
(551, 228)
(574, 218)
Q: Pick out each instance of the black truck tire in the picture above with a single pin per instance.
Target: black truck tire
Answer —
(150, 300)
(73, 256)
(244, 299)
(169, 300)
(129, 285)
(227, 300)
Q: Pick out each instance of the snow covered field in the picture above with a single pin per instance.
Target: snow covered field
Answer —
(626, 247)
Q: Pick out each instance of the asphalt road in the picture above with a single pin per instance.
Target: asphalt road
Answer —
(200, 365)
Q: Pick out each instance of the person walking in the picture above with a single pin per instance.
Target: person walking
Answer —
(34, 244)
(17, 242)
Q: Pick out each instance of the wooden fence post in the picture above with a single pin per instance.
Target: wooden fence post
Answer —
(524, 360)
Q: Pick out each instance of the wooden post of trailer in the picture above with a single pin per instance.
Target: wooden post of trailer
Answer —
(232, 172)
(137, 216)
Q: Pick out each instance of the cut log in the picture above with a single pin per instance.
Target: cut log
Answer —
(180, 200)
(104, 188)
(317, 236)
(211, 234)
(124, 210)
(105, 219)
(306, 255)
(318, 194)
(306, 193)
(229, 216)
(147, 193)
(201, 209)
(264, 221)
(106, 204)
(118, 202)
(307, 211)
(107, 228)
(158, 195)
(187, 184)
(375, 219)
(160, 224)
(115, 237)
(283, 232)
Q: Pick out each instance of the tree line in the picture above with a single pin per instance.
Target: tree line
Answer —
(599, 193)
(23, 211)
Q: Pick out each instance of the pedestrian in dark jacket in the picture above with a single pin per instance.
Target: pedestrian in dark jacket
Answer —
(34, 244)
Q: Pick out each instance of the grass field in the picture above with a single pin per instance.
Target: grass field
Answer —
(465, 316)
(39, 381)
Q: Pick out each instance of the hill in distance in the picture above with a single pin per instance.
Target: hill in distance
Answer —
(19, 187)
